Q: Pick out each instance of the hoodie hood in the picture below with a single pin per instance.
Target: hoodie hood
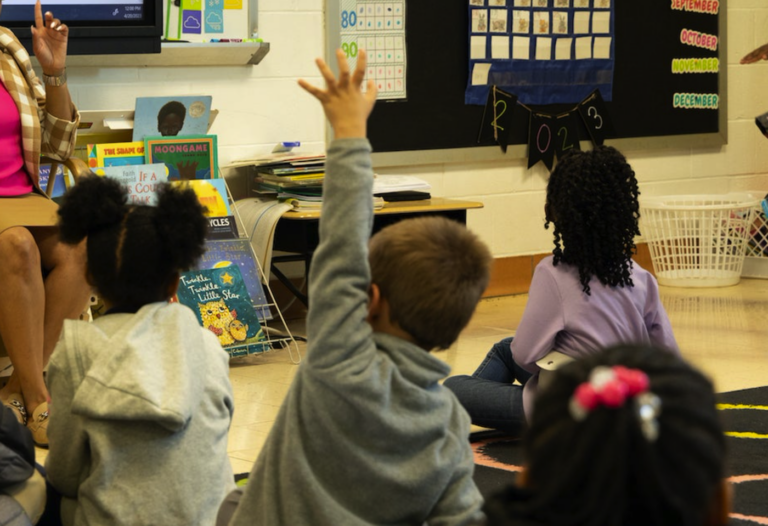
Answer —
(140, 377)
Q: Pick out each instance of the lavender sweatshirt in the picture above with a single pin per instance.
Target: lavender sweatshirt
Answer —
(561, 316)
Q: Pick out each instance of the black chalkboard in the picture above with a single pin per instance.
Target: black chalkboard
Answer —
(647, 34)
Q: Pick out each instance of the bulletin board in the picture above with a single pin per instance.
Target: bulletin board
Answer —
(650, 39)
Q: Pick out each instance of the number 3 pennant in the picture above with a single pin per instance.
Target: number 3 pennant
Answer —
(541, 140)
(595, 115)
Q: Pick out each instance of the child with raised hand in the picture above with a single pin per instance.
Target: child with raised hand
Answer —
(587, 295)
(629, 436)
(142, 402)
(366, 434)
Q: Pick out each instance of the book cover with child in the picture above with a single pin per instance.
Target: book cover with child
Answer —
(115, 154)
(189, 157)
(238, 252)
(171, 116)
(220, 300)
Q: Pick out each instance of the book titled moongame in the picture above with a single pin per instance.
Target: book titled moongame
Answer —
(186, 157)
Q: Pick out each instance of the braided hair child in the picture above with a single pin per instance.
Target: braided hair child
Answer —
(142, 392)
(587, 295)
(629, 436)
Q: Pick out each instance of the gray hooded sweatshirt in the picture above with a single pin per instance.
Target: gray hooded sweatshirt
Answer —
(138, 429)
(366, 434)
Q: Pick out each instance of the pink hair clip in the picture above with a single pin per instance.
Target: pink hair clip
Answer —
(611, 387)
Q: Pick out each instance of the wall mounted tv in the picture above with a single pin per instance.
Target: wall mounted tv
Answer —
(97, 27)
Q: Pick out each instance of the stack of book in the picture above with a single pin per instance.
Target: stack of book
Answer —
(300, 172)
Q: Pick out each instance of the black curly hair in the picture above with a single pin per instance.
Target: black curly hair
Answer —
(592, 201)
(603, 471)
(135, 252)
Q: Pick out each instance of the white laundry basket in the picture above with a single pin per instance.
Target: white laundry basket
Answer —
(756, 262)
(698, 240)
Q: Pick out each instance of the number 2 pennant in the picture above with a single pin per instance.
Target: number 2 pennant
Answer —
(541, 140)
(497, 118)
(567, 134)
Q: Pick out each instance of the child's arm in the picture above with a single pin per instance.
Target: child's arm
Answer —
(541, 322)
(68, 449)
(657, 321)
(340, 277)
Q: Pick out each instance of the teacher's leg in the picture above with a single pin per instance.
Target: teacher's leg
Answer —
(66, 289)
(22, 311)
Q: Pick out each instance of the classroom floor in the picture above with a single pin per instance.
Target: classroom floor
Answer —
(723, 331)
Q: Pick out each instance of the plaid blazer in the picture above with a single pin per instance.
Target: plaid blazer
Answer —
(41, 132)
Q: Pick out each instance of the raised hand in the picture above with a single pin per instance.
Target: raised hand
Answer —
(345, 104)
(760, 53)
(49, 42)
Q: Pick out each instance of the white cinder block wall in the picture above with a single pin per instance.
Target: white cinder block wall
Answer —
(262, 105)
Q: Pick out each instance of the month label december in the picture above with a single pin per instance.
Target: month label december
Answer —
(697, 101)
(711, 7)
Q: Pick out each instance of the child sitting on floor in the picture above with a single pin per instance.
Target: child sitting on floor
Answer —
(141, 397)
(366, 434)
(588, 295)
(629, 436)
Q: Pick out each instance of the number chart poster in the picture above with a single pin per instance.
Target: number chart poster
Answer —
(379, 29)
(542, 51)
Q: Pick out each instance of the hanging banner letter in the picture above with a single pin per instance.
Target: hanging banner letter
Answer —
(541, 140)
(595, 115)
(497, 118)
(566, 134)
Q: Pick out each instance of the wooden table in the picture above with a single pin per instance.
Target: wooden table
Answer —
(298, 232)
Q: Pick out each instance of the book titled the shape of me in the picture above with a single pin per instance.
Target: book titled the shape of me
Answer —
(115, 154)
(188, 157)
(238, 252)
(220, 300)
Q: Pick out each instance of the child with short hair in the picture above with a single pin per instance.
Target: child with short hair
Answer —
(588, 295)
(366, 434)
(628, 436)
(142, 401)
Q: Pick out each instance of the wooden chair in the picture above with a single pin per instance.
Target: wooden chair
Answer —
(76, 167)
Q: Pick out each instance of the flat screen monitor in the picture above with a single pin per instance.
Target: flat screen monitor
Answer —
(97, 27)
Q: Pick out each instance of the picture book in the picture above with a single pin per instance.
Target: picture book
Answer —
(238, 252)
(220, 300)
(212, 194)
(188, 157)
(171, 116)
(140, 180)
(59, 185)
(115, 154)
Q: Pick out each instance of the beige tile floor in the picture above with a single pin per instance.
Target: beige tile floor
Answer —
(723, 331)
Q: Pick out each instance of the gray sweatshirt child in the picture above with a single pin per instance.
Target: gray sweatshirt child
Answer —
(138, 429)
(366, 434)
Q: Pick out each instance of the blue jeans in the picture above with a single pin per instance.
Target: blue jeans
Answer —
(489, 396)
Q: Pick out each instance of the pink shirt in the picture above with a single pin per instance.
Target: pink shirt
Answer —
(13, 179)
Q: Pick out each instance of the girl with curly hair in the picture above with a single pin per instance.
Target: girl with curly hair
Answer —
(587, 295)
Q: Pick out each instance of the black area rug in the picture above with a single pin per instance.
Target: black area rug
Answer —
(745, 418)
